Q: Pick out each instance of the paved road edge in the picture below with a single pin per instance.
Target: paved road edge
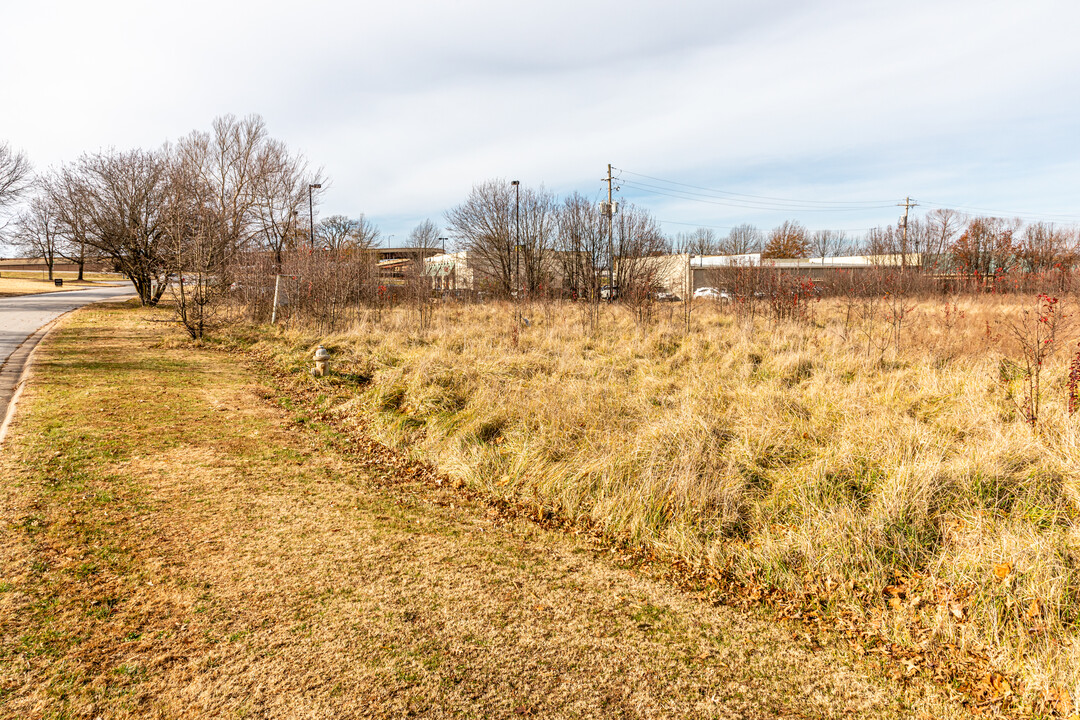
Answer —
(16, 370)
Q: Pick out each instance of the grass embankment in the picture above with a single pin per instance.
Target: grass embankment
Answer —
(177, 544)
(901, 488)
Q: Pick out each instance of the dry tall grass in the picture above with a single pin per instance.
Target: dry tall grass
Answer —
(174, 546)
(813, 456)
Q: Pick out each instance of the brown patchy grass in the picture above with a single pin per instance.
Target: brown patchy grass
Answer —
(891, 484)
(176, 546)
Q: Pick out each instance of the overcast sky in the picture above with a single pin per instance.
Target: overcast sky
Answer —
(843, 107)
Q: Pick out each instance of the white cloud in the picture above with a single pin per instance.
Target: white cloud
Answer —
(407, 104)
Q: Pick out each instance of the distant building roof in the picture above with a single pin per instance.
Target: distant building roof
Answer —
(846, 261)
(386, 253)
(724, 260)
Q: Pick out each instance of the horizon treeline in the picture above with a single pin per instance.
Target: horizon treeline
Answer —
(204, 206)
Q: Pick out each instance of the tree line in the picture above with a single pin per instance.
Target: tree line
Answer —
(229, 208)
(526, 240)
(941, 241)
(188, 207)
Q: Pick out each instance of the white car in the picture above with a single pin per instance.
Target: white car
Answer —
(712, 293)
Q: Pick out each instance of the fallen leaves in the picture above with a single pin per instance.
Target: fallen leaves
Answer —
(990, 689)
(1057, 699)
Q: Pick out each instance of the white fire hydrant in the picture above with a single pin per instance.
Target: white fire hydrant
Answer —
(322, 362)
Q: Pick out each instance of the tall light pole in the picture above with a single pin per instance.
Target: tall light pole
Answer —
(311, 213)
(443, 241)
(517, 233)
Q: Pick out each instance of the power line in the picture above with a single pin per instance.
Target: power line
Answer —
(748, 204)
(718, 197)
(760, 197)
(1003, 213)
(726, 198)
(696, 225)
(732, 227)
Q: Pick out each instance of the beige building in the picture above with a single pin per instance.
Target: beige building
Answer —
(450, 271)
(467, 271)
(670, 273)
(678, 274)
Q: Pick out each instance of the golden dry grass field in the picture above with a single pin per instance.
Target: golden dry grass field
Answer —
(882, 468)
(182, 540)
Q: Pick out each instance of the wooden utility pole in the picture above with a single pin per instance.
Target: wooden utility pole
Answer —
(907, 205)
(609, 210)
(688, 295)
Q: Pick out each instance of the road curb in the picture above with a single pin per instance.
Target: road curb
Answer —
(16, 370)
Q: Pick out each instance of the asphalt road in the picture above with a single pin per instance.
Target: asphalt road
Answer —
(23, 315)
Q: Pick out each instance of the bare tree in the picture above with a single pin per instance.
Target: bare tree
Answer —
(210, 218)
(37, 231)
(1042, 246)
(483, 226)
(637, 238)
(281, 192)
(123, 196)
(536, 228)
(487, 225)
(333, 233)
(879, 243)
(581, 240)
(508, 233)
(942, 226)
(425, 236)
(418, 282)
(827, 243)
(742, 240)
(919, 237)
(61, 190)
(202, 242)
(14, 175)
(702, 241)
(339, 232)
(366, 235)
(72, 228)
(221, 168)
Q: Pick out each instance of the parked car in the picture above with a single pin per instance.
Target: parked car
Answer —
(712, 293)
(665, 296)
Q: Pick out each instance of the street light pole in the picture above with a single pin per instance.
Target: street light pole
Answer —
(311, 213)
(517, 234)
